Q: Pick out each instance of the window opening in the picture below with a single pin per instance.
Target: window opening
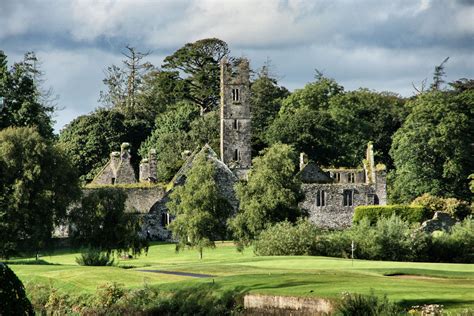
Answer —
(351, 177)
(348, 198)
(236, 155)
(113, 181)
(320, 198)
(235, 95)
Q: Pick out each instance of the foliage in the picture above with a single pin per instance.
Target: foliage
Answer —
(101, 222)
(37, 183)
(456, 246)
(24, 102)
(456, 208)
(265, 100)
(367, 305)
(412, 214)
(199, 64)
(362, 116)
(201, 211)
(432, 151)
(94, 257)
(89, 140)
(13, 300)
(271, 194)
(287, 239)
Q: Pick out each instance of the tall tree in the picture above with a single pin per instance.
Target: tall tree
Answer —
(199, 64)
(201, 212)
(265, 101)
(432, 151)
(37, 184)
(22, 98)
(270, 195)
(124, 84)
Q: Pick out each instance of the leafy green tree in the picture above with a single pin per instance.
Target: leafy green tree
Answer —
(101, 222)
(199, 64)
(205, 130)
(362, 116)
(13, 299)
(432, 151)
(22, 97)
(271, 194)
(89, 140)
(201, 212)
(310, 131)
(37, 184)
(266, 98)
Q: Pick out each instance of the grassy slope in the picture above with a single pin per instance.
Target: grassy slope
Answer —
(452, 286)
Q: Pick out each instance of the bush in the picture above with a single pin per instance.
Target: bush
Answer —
(95, 257)
(367, 305)
(456, 208)
(412, 214)
(13, 300)
(287, 239)
(455, 246)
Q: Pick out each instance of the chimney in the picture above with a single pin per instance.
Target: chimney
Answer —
(303, 160)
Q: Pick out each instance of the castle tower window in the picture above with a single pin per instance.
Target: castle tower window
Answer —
(165, 219)
(320, 198)
(236, 155)
(236, 124)
(348, 196)
(351, 177)
(235, 95)
(112, 181)
(337, 176)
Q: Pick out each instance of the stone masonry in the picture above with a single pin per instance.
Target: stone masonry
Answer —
(118, 170)
(331, 195)
(235, 116)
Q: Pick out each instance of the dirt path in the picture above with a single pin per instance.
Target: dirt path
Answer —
(193, 275)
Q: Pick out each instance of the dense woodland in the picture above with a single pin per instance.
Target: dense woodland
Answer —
(424, 140)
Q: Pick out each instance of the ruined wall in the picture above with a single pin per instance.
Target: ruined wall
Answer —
(334, 214)
(235, 115)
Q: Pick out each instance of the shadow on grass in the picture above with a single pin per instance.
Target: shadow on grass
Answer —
(29, 262)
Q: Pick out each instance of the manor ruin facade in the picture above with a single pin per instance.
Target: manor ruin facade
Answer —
(330, 195)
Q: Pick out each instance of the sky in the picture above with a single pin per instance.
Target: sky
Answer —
(380, 45)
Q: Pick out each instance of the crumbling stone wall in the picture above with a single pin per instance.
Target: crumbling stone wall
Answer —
(235, 115)
(118, 170)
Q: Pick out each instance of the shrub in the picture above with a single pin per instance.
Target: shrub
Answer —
(94, 257)
(13, 300)
(456, 208)
(367, 305)
(412, 214)
(455, 246)
(287, 239)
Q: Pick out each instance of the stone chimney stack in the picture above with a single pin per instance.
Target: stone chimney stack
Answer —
(303, 160)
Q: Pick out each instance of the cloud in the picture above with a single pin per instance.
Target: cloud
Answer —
(383, 45)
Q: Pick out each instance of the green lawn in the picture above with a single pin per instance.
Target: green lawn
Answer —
(449, 284)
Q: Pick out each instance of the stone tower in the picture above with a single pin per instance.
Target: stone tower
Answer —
(236, 116)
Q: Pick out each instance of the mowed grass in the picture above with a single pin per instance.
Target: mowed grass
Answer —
(449, 284)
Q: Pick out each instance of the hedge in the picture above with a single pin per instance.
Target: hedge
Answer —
(412, 214)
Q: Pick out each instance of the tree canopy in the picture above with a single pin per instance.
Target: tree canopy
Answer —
(37, 184)
(270, 195)
(200, 210)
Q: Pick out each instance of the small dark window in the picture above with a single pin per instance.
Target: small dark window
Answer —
(376, 199)
(320, 198)
(235, 95)
(236, 155)
(113, 181)
(236, 124)
(337, 176)
(348, 198)
(351, 177)
(165, 219)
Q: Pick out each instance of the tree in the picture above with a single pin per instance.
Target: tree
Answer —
(199, 64)
(438, 75)
(102, 223)
(13, 299)
(89, 139)
(201, 212)
(271, 194)
(266, 98)
(124, 84)
(37, 184)
(22, 97)
(432, 151)
(362, 116)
